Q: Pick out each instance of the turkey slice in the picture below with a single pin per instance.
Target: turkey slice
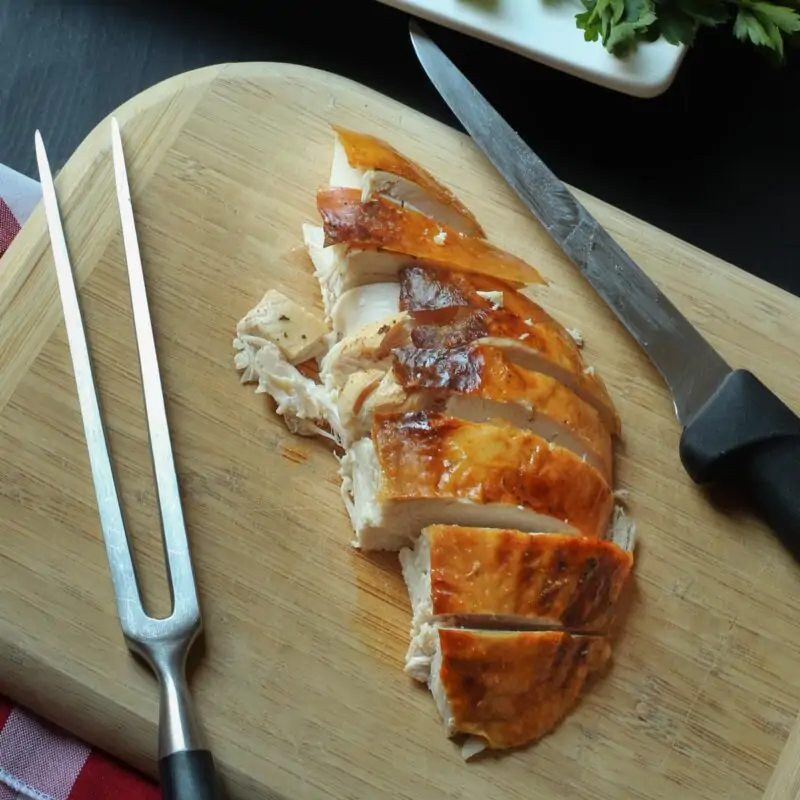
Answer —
(513, 579)
(483, 384)
(436, 294)
(369, 348)
(509, 688)
(422, 468)
(372, 165)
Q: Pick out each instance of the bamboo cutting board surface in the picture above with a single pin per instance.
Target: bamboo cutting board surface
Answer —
(300, 686)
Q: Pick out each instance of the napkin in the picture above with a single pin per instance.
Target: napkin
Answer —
(37, 760)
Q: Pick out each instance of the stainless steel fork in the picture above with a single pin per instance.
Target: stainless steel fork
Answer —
(186, 766)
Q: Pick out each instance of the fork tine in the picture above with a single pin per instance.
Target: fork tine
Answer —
(179, 567)
(123, 576)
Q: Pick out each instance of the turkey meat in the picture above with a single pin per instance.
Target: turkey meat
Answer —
(370, 242)
(512, 578)
(510, 688)
(478, 383)
(371, 165)
(421, 468)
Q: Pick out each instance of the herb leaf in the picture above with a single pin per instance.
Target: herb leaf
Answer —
(617, 23)
(621, 25)
(765, 24)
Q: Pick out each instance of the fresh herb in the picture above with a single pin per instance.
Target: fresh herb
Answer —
(622, 24)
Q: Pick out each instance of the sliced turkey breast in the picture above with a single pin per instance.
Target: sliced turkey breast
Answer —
(477, 383)
(577, 400)
(483, 384)
(510, 688)
(373, 166)
(386, 521)
(531, 346)
(422, 468)
(377, 238)
(451, 309)
(446, 309)
(513, 579)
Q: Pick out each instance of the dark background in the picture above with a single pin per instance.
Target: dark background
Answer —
(713, 160)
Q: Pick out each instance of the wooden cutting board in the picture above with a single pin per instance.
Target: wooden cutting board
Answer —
(301, 686)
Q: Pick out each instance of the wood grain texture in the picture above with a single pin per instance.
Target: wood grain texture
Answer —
(300, 686)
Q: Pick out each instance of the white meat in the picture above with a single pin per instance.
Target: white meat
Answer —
(365, 305)
(382, 523)
(273, 337)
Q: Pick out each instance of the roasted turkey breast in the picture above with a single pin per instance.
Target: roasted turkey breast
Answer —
(472, 437)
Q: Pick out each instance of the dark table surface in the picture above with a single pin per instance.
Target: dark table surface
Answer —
(714, 160)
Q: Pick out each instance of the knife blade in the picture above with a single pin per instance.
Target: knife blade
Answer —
(734, 427)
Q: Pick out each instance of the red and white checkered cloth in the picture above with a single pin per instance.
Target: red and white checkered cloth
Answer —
(38, 761)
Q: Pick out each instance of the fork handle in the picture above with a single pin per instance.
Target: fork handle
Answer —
(186, 766)
(189, 775)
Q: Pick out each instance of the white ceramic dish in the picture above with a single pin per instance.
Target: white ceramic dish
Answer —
(545, 31)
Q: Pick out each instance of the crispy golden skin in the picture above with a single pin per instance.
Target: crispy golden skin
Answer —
(370, 152)
(380, 224)
(448, 311)
(486, 372)
(553, 578)
(423, 454)
(514, 687)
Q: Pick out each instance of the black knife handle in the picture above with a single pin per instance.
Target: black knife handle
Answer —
(746, 435)
(189, 775)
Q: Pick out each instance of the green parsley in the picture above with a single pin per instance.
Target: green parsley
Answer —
(622, 24)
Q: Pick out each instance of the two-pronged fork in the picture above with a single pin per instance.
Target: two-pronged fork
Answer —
(186, 766)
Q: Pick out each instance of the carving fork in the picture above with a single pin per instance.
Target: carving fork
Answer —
(186, 766)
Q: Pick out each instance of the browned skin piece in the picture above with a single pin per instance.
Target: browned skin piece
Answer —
(564, 580)
(423, 454)
(448, 312)
(380, 224)
(439, 293)
(485, 372)
(513, 688)
(369, 152)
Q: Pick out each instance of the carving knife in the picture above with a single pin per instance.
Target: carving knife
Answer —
(735, 429)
